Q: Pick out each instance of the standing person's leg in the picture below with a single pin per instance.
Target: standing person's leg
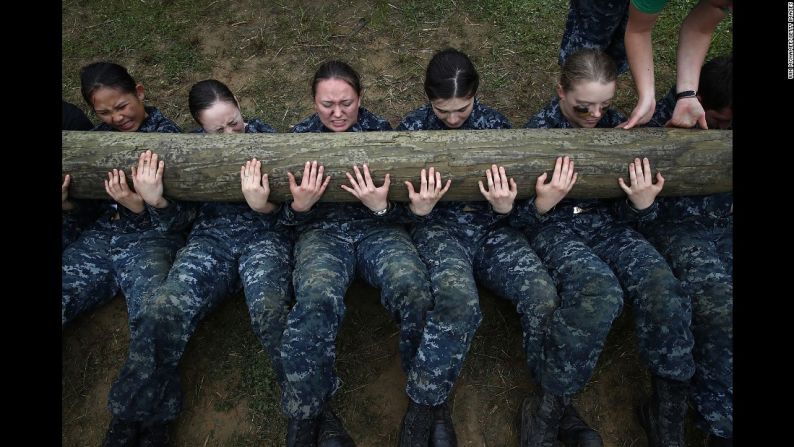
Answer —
(696, 255)
(662, 317)
(87, 277)
(590, 299)
(597, 24)
(324, 268)
(148, 390)
(449, 330)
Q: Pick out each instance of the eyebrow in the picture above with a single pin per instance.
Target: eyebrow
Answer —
(453, 110)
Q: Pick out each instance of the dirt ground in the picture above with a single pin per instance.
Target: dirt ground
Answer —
(231, 398)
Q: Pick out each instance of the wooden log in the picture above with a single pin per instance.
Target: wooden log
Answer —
(207, 167)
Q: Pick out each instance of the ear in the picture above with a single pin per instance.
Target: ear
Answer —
(358, 101)
(139, 92)
(560, 92)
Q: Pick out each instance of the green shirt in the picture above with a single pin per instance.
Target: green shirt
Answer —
(649, 6)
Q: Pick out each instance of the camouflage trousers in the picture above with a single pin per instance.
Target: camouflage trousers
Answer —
(701, 255)
(597, 24)
(103, 261)
(594, 260)
(218, 256)
(326, 262)
(501, 260)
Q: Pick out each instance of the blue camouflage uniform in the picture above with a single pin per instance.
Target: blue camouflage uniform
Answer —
(595, 257)
(337, 242)
(695, 235)
(599, 24)
(463, 242)
(120, 250)
(664, 110)
(230, 246)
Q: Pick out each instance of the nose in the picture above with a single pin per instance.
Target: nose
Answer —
(118, 118)
(337, 111)
(597, 112)
(454, 119)
(228, 129)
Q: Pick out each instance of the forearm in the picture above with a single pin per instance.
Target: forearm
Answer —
(639, 51)
(693, 44)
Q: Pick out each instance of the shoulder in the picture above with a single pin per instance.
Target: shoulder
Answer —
(484, 117)
(157, 122)
(309, 124)
(255, 125)
(369, 121)
(548, 117)
(416, 119)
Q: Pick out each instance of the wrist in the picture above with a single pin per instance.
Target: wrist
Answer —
(685, 94)
(382, 211)
(67, 205)
(299, 208)
(160, 203)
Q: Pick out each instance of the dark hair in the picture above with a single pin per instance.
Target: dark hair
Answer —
(450, 74)
(715, 86)
(588, 64)
(104, 74)
(336, 70)
(204, 94)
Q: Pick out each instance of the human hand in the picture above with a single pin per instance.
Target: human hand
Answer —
(363, 188)
(642, 191)
(148, 179)
(641, 114)
(66, 204)
(311, 188)
(547, 195)
(255, 186)
(688, 112)
(499, 194)
(430, 192)
(116, 187)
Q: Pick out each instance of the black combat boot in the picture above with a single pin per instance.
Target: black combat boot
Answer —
(154, 435)
(303, 432)
(332, 433)
(415, 428)
(442, 433)
(574, 431)
(663, 416)
(540, 419)
(122, 433)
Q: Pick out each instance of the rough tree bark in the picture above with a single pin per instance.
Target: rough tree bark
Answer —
(207, 167)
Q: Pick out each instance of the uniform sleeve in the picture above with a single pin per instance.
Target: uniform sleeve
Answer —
(291, 218)
(176, 217)
(525, 214)
(624, 212)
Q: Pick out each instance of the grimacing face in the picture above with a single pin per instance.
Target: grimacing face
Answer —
(222, 117)
(336, 103)
(121, 110)
(586, 102)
